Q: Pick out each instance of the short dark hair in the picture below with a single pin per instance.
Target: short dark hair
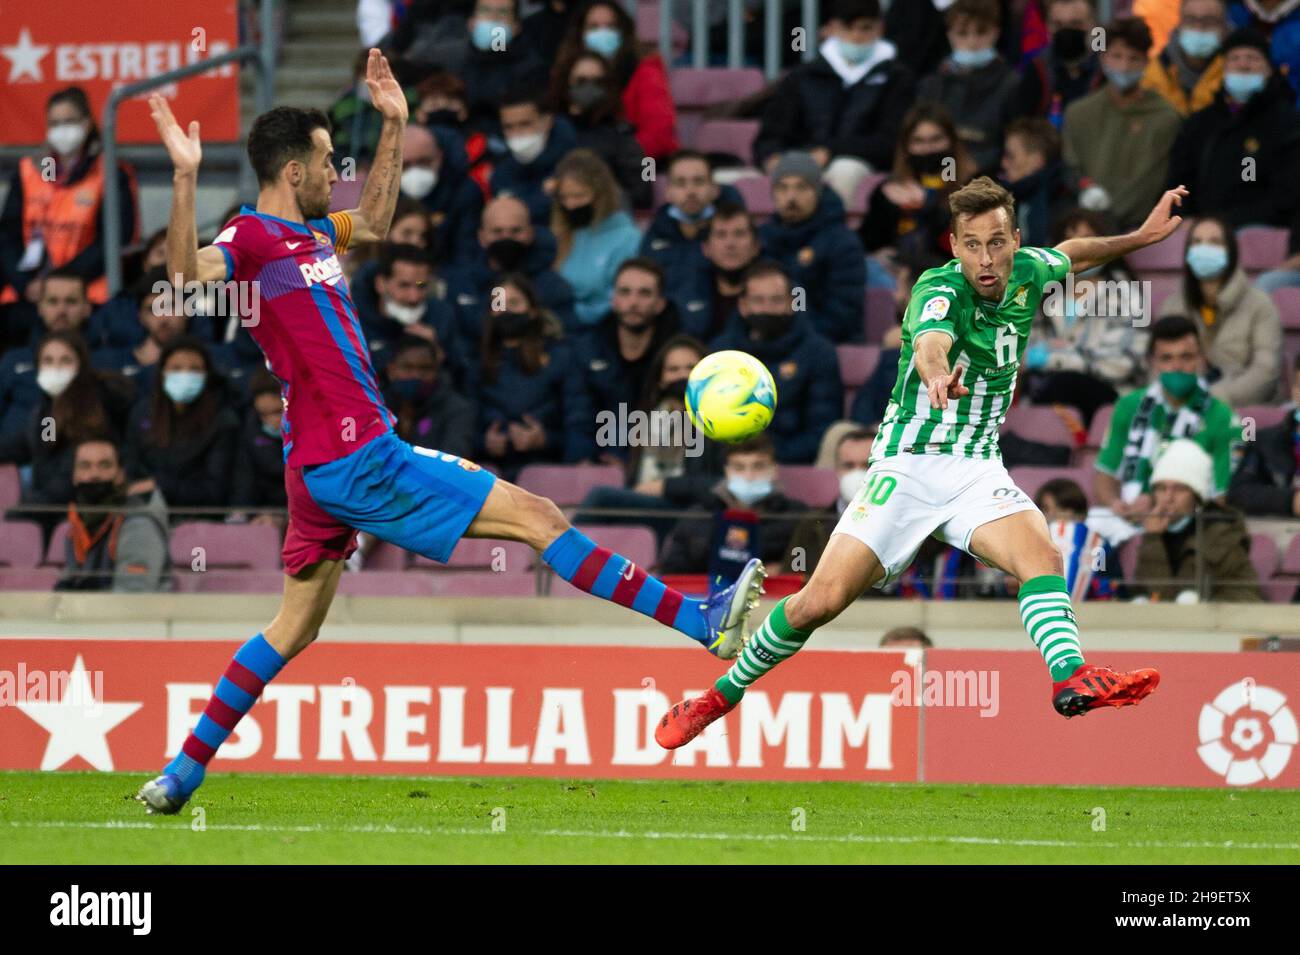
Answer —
(1040, 136)
(1171, 328)
(725, 210)
(393, 252)
(643, 263)
(867, 433)
(1067, 494)
(526, 96)
(63, 272)
(980, 11)
(102, 437)
(899, 634)
(1132, 32)
(979, 196)
(685, 155)
(416, 343)
(759, 444)
(762, 269)
(849, 11)
(144, 286)
(262, 382)
(282, 135)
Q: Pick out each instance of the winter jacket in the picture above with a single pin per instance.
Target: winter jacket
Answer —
(383, 332)
(1265, 483)
(594, 257)
(614, 142)
(489, 76)
(1047, 88)
(920, 237)
(981, 103)
(664, 242)
(470, 283)
(694, 290)
(610, 379)
(442, 420)
(809, 395)
(526, 181)
(688, 549)
(1244, 342)
(1208, 159)
(1168, 74)
(456, 202)
(195, 470)
(1106, 343)
(649, 109)
(127, 553)
(1041, 199)
(1217, 566)
(259, 467)
(811, 107)
(1284, 30)
(824, 258)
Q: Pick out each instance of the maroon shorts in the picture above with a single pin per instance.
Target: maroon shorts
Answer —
(312, 535)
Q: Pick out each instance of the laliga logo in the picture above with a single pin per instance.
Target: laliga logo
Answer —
(1247, 733)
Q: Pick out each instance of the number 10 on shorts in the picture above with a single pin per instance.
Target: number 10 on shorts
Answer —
(878, 488)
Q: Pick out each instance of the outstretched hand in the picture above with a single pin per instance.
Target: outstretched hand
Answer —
(1162, 222)
(185, 150)
(943, 388)
(385, 92)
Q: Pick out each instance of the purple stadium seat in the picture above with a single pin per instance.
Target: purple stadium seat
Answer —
(568, 484)
(1163, 285)
(1264, 416)
(226, 546)
(634, 541)
(733, 136)
(22, 544)
(757, 193)
(1263, 554)
(1163, 256)
(479, 554)
(857, 362)
(1100, 422)
(1128, 557)
(385, 556)
(54, 551)
(862, 195)
(878, 313)
(647, 28)
(29, 578)
(1291, 559)
(10, 486)
(1030, 478)
(1262, 247)
(696, 89)
(1038, 423)
(347, 193)
(814, 486)
(1086, 460)
(386, 583)
(473, 583)
(1287, 301)
(1282, 587)
(231, 582)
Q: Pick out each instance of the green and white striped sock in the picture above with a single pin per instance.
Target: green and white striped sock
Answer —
(1046, 613)
(775, 640)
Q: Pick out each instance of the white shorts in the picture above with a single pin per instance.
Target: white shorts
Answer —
(909, 497)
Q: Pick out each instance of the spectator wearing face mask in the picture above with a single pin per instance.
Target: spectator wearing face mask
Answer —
(908, 212)
(1118, 138)
(1067, 68)
(584, 92)
(531, 397)
(442, 106)
(438, 178)
(974, 83)
(822, 256)
(1267, 484)
(802, 362)
(1252, 118)
(1279, 20)
(259, 458)
(507, 242)
(402, 299)
(706, 290)
(811, 535)
(53, 221)
(1036, 176)
(155, 307)
(1238, 324)
(182, 437)
(675, 233)
(845, 107)
(1179, 560)
(76, 402)
(537, 140)
(745, 518)
(430, 412)
(638, 75)
(1188, 72)
(116, 540)
(594, 236)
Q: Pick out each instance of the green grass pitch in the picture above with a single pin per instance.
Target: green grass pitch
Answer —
(90, 818)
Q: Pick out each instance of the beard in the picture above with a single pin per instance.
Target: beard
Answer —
(315, 206)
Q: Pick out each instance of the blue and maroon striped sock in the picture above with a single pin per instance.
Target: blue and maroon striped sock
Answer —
(255, 664)
(600, 572)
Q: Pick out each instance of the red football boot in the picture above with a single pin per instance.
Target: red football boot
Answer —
(687, 719)
(1092, 686)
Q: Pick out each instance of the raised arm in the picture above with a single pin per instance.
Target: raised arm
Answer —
(1088, 252)
(371, 219)
(941, 382)
(184, 257)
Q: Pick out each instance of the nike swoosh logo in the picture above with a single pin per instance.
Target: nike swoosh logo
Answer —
(292, 245)
(629, 570)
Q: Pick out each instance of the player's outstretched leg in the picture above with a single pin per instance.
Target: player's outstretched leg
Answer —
(1019, 544)
(307, 599)
(718, 623)
(846, 569)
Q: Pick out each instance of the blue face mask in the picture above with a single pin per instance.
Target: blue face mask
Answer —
(183, 387)
(1207, 261)
(271, 430)
(974, 59)
(1122, 80)
(749, 490)
(1242, 86)
(705, 213)
(1180, 525)
(1198, 44)
(855, 54)
(485, 31)
(603, 40)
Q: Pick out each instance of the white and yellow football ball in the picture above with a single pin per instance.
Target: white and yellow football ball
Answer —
(730, 396)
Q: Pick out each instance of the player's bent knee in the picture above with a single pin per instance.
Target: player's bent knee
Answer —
(817, 604)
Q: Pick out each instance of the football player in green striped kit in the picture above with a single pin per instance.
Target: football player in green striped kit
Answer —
(936, 468)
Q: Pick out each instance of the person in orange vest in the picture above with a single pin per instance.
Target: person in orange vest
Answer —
(53, 214)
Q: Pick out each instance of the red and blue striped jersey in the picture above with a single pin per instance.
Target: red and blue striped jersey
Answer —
(307, 327)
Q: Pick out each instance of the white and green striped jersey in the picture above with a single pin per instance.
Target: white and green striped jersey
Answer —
(988, 338)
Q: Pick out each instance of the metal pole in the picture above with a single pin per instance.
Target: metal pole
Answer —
(735, 33)
(810, 25)
(666, 32)
(266, 88)
(699, 34)
(772, 39)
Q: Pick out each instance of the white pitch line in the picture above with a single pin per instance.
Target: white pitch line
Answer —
(666, 836)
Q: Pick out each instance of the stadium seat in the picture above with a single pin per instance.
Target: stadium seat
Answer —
(54, 551)
(1163, 256)
(385, 556)
(1100, 422)
(479, 584)
(231, 582)
(1029, 478)
(814, 486)
(878, 314)
(636, 542)
(647, 28)
(226, 546)
(1162, 286)
(1282, 587)
(568, 484)
(1264, 416)
(347, 193)
(757, 193)
(1128, 557)
(10, 486)
(862, 195)
(1287, 301)
(696, 89)
(735, 137)
(1263, 554)
(1261, 247)
(22, 544)
(387, 583)
(857, 362)
(1038, 423)
(40, 579)
(492, 556)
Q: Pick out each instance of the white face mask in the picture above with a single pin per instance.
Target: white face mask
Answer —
(406, 314)
(54, 381)
(66, 138)
(851, 482)
(526, 148)
(418, 181)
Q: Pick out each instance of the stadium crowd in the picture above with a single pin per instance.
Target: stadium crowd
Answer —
(570, 242)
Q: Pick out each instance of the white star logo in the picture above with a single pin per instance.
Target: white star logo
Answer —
(78, 724)
(25, 58)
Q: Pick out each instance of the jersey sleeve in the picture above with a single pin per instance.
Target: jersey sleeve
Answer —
(234, 247)
(933, 308)
(1112, 448)
(340, 229)
(1050, 265)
